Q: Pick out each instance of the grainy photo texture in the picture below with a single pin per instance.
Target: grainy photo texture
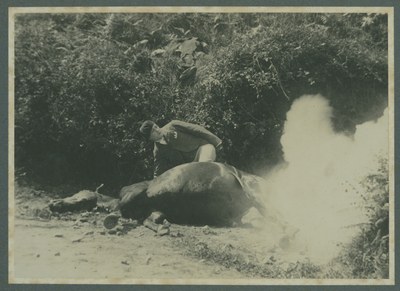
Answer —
(201, 147)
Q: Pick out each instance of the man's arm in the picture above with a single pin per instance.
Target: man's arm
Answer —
(160, 163)
(198, 131)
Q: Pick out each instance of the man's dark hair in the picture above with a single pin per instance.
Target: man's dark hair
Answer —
(146, 128)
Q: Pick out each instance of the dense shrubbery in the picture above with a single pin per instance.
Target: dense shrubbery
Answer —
(85, 82)
(368, 254)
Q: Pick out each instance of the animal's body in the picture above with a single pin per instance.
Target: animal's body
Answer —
(196, 193)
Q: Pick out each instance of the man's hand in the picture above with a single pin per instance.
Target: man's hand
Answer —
(172, 134)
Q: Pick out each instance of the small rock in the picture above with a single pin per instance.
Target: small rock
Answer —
(162, 230)
(207, 230)
(45, 213)
(119, 233)
(247, 260)
(119, 228)
(83, 220)
(166, 223)
(125, 262)
(58, 235)
(112, 231)
(217, 270)
(37, 255)
(85, 214)
(157, 52)
(89, 233)
(111, 220)
(227, 247)
(156, 217)
(148, 259)
(57, 254)
(102, 232)
(130, 225)
(77, 239)
(177, 234)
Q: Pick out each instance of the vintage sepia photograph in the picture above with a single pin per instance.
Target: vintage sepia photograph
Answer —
(201, 145)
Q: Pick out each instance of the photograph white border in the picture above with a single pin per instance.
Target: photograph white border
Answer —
(13, 11)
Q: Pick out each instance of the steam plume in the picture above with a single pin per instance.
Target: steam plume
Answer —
(317, 190)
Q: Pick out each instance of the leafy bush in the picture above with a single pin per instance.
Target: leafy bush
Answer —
(85, 82)
(368, 254)
(250, 87)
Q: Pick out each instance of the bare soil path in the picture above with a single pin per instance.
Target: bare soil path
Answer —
(76, 246)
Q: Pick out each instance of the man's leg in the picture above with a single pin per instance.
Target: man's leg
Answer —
(206, 153)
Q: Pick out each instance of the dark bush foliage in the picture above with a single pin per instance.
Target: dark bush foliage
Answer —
(368, 254)
(84, 83)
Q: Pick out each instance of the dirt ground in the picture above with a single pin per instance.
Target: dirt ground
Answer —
(77, 246)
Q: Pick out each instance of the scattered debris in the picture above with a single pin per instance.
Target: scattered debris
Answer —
(217, 270)
(227, 247)
(130, 224)
(150, 225)
(156, 217)
(148, 259)
(176, 234)
(160, 229)
(77, 239)
(208, 230)
(163, 230)
(166, 223)
(44, 213)
(158, 53)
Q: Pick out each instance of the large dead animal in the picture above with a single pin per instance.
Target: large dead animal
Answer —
(200, 193)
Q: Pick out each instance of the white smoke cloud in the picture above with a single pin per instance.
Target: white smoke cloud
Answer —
(318, 189)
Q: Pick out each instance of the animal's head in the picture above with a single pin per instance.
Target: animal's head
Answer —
(134, 202)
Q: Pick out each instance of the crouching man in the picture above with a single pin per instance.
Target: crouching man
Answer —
(180, 142)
